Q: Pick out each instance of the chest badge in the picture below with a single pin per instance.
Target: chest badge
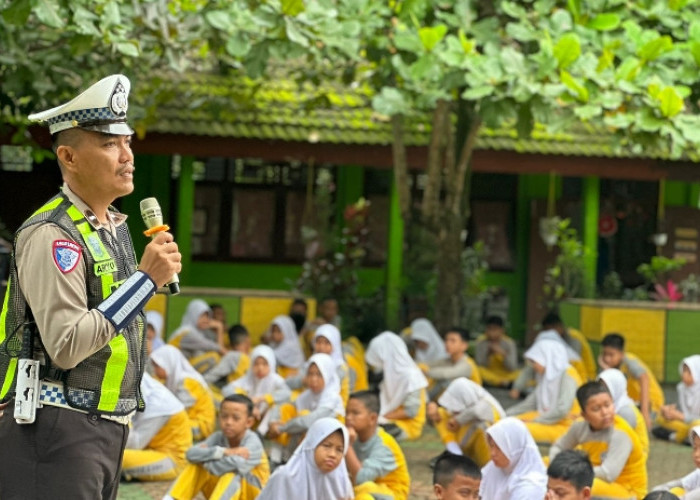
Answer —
(66, 255)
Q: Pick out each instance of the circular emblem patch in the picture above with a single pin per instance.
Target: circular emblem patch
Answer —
(66, 255)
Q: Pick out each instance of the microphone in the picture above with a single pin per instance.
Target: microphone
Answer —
(153, 218)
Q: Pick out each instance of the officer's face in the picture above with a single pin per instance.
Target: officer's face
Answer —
(100, 167)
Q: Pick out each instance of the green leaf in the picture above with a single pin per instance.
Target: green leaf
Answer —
(512, 61)
(567, 50)
(237, 45)
(648, 121)
(431, 36)
(390, 101)
(219, 19)
(476, 93)
(587, 111)
(47, 13)
(694, 30)
(294, 34)
(520, 32)
(579, 90)
(694, 47)
(655, 48)
(605, 60)
(629, 69)
(292, 7)
(670, 103)
(111, 15)
(467, 44)
(407, 40)
(514, 10)
(604, 22)
(574, 7)
(128, 49)
(18, 12)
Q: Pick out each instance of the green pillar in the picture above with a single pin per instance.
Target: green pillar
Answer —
(184, 216)
(394, 262)
(518, 302)
(350, 184)
(591, 213)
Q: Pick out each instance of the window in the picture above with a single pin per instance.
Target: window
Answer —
(246, 209)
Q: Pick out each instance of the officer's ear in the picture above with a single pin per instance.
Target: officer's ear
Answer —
(66, 157)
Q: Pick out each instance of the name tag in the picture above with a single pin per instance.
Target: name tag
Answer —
(105, 267)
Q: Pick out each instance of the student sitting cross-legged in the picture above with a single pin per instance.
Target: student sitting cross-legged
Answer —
(402, 392)
(375, 461)
(496, 354)
(234, 363)
(687, 487)
(456, 477)
(231, 464)
(159, 436)
(461, 416)
(675, 421)
(569, 476)
(551, 408)
(200, 337)
(612, 445)
(317, 469)
(516, 470)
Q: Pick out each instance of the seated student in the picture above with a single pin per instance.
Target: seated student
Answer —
(159, 436)
(461, 416)
(687, 487)
(551, 408)
(317, 470)
(664, 495)
(613, 447)
(456, 477)
(642, 385)
(219, 314)
(570, 477)
(200, 337)
(458, 364)
(298, 311)
(354, 354)
(402, 391)
(154, 330)
(285, 344)
(576, 341)
(375, 461)
(326, 339)
(262, 384)
(188, 386)
(231, 463)
(320, 399)
(234, 363)
(616, 383)
(516, 470)
(675, 423)
(429, 346)
(496, 355)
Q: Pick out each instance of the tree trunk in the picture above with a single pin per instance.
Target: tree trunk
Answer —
(400, 167)
(430, 209)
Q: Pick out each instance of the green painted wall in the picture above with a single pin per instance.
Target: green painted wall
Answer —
(681, 340)
(570, 314)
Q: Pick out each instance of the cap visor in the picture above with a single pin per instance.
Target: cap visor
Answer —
(111, 128)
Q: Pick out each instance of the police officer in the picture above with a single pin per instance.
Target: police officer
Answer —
(77, 289)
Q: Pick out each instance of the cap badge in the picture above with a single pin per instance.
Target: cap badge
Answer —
(119, 102)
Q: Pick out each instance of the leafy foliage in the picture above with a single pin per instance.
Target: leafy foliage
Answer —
(566, 277)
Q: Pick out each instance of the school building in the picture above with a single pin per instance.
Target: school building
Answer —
(232, 161)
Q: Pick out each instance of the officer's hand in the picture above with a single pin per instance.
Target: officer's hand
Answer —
(161, 259)
(2, 408)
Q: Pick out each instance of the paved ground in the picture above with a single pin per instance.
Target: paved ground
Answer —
(666, 461)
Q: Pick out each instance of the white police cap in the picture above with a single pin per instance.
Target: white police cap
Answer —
(101, 108)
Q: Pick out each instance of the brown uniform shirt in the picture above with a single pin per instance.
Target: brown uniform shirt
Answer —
(70, 332)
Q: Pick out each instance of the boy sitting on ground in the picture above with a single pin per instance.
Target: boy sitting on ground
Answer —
(458, 364)
(234, 364)
(496, 355)
(570, 477)
(456, 477)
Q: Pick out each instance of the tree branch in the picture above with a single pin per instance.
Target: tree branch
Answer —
(464, 164)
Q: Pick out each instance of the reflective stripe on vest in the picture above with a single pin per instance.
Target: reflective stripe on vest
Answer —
(12, 368)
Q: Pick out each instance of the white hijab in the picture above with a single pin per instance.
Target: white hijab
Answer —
(689, 396)
(332, 334)
(616, 382)
(155, 319)
(554, 335)
(552, 355)
(288, 352)
(158, 399)
(251, 385)
(423, 330)
(329, 397)
(525, 474)
(388, 353)
(194, 311)
(301, 477)
(462, 393)
(176, 367)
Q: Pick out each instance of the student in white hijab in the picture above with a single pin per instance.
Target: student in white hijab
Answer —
(285, 343)
(316, 470)
(429, 345)
(616, 382)
(402, 392)
(688, 486)
(461, 416)
(262, 384)
(552, 407)
(159, 436)
(516, 470)
(189, 387)
(200, 337)
(676, 421)
(154, 330)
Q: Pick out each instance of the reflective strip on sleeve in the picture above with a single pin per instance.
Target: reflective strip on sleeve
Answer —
(126, 302)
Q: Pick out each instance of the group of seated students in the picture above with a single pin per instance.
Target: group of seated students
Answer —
(299, 404)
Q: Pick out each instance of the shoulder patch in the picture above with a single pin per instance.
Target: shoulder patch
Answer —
(66, 255)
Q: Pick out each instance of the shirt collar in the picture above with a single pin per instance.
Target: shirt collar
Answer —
(117, 218)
